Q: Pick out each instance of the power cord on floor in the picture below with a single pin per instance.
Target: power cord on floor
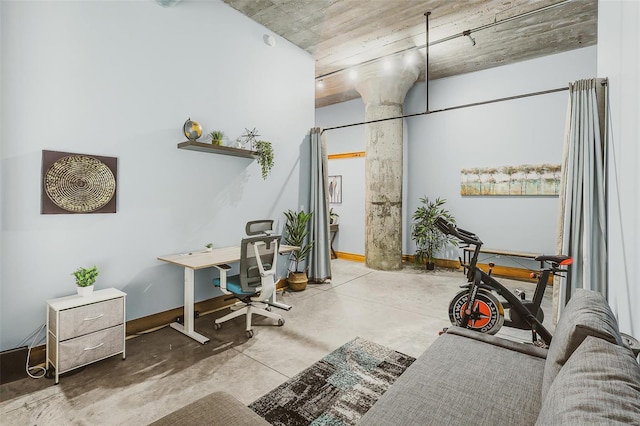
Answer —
(42, 370)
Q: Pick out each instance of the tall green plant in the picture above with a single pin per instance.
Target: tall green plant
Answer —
(296, 234)
(427, 236)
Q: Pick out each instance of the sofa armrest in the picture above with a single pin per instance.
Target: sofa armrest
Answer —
(524, 348)
(217, 408)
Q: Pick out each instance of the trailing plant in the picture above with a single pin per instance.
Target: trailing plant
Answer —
(296, 234)
(427, 236)
(85, 277)
(265, 156)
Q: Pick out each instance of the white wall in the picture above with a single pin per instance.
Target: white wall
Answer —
(439, 145)
(619, 60)
(119, 79)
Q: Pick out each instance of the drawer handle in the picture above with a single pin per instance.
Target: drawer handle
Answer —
(93, 318)
(95, 347)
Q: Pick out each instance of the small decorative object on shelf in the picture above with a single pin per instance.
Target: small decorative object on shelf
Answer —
(249, 137)
(216, 137)
(85, 277)
(209, 247)
(192, 129)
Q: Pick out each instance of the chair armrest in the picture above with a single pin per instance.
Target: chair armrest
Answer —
(223, 268)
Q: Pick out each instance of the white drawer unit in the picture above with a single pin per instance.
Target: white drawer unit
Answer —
(82, 330)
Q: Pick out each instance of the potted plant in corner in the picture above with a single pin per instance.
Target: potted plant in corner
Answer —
(265, 156)
(85, 277)
(427, 236)
(295, 235)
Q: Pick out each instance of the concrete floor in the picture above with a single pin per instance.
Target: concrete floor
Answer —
(165, 370)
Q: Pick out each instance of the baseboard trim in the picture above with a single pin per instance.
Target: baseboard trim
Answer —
(520, 274)
(350, 256)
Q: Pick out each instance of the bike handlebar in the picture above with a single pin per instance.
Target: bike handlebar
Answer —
(463, 235)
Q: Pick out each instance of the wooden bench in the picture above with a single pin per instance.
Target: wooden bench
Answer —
(468, 252)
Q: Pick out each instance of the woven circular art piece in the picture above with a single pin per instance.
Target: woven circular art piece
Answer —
(78, 183)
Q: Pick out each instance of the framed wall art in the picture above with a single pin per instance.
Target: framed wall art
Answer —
(523, 180)
(78, 183)
(335, 189)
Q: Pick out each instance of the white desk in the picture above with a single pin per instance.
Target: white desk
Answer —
(200, 260)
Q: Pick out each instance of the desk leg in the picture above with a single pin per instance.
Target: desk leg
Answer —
(272, 302)
(189, 300)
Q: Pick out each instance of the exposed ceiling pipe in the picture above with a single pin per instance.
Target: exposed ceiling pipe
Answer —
(465, 33)
(426, 62)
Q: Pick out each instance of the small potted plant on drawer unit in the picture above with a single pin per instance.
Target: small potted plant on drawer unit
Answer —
(209, 247)
(85, 277)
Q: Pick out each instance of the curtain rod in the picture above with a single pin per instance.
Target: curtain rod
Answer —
(509, 98)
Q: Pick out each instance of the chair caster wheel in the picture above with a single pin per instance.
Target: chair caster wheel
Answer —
(216, 326)
(268, 309)
(249, 334)
(280, 322)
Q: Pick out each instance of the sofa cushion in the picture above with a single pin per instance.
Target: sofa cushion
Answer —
(586, 314)
(217, 408)
(460, 380)
(599, 384)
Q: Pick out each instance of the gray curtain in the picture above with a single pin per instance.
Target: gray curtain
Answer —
(320, 255)
(583, 215)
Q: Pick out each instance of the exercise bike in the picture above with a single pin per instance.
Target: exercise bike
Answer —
(477, 308)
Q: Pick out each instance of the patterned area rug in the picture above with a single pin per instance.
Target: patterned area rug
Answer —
(336, 390)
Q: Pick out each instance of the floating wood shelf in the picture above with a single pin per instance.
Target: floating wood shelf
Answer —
(217, 149)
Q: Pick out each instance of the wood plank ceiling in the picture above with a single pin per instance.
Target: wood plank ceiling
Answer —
(343, 34)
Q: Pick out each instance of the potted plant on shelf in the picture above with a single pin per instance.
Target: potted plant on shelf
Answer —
(209, 247)
(334, 218)
(216, 137)
(85, 277)
(295, 235)
(265, 156)
(427, 236)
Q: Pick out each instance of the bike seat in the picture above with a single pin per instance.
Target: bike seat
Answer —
(555, 258)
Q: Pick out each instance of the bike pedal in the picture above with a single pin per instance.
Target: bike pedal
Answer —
(520, 293)
(444, 330)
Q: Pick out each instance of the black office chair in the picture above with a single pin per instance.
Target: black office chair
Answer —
(256, 282)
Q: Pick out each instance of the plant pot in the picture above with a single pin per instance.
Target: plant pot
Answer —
(431, 266)
(217, 141)
(297, 281)
(85, 291)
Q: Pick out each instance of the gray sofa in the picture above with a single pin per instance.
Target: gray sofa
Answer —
(587, 376)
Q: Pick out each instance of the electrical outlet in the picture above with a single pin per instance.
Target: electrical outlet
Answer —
(180, 320)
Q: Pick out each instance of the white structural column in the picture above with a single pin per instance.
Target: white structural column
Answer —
(383, 90)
